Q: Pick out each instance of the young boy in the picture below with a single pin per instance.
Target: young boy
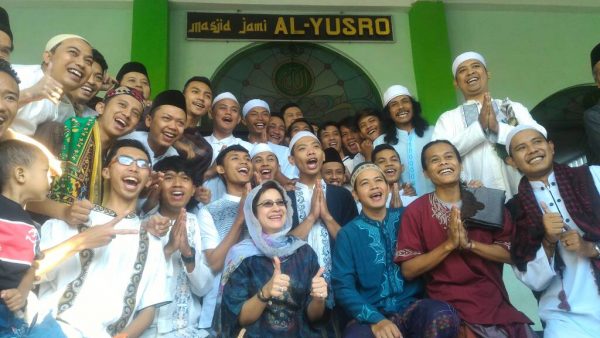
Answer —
(24, 178)
(388, 160)
(191, 277)
(264, 162)
(333, 170)
(226, 116)
(222, 220)
(106, 277)
(366, 282)
(329, 135)
(166, 122)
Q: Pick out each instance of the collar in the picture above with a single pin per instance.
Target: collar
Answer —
(371, 221)
(232, 198)
(212, 139)
(540, 186)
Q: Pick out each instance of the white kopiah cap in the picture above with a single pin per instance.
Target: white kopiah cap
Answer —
(464, 57)
(223, 96)
(55, 40)
(260, 148)
(300, 135)
(520, 128)
(394, 91)
(253, 104)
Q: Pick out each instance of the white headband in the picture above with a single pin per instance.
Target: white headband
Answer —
(520, 128)
(300, 135)
(464, 57)
(253, 104)
(260, 148)
(394, 91)
(55, 40)
(223, 96)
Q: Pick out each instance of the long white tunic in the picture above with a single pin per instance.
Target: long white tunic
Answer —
(578, 280)
(180, 317)
(479, 158)
(89, 295)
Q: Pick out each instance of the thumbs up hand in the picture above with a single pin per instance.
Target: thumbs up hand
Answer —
(553, 224)
(279, 282)
(318, 288)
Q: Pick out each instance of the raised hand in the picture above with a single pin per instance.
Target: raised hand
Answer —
(279, 282)
(408, 190)
(46, 88)
(553, 224)
(79, 212)
(396, 201)
(157, 225)
(101, 235)
(573, 242)
(316, 201)
(386, 329)
(202, 194)
(318, 288)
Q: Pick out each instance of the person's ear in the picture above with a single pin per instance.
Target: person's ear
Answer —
(46, 57)
(354, 195)
(105, 173)
(291, 160)
(20, 175)
(148, 120)
(100, 107)
(511, 162)
(220, 170)
(244, 122)
(551, 145)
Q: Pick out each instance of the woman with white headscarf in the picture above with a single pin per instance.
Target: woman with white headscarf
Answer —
(272, 283)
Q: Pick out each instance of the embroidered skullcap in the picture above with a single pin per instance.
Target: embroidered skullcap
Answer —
(223, 96)
(260, 148)
(362, 167)
(595, 55)
(520, 128)
(5, 23)
(136, 94)
(300, 135)
(253, 104)
(464, 57)
(332, 155)
(131, 67)
(55, 40)
(394, 91)
(170, 98)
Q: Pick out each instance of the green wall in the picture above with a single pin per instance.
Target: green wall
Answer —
(531, 52)
(106, 26)
(385, 63)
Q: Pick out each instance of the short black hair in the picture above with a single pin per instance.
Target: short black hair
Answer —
(363, 113)
(176, 163)
(302, 119)
(382, 147)
(278, 115)
(6, 68)
(264, 187)
(328, 124)
(16, 153)
(431, 144)
(348, 122)
(236, 147)
(288, 106)
(202, 79)
(125, 143)
(99, 59)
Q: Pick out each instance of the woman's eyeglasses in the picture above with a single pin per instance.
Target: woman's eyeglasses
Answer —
(270, 203)
(128, 160)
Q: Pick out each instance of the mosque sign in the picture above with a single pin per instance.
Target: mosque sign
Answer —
(228, 26)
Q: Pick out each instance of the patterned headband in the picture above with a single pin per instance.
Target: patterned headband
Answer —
(136, 94)
(362, 167)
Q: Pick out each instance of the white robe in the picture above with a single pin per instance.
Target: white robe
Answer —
(99, 301)
(580, 287)
(180, 317)
(479, 158)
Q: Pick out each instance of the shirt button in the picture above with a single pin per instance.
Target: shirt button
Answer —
(553, 183)
(551, 204)
(559, 200)
(567, 220)
(542, 188)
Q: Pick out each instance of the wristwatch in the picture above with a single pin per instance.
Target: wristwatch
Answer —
(189, 259)
(597, 248)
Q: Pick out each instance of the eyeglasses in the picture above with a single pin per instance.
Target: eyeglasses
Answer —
(128, 160)
(270, 203)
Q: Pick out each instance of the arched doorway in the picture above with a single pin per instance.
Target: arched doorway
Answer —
(326, 84)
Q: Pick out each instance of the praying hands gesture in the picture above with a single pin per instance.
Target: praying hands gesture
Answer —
(178, 240)
(157, 225)
(395, 202)
(487, 115)
(457, 235)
